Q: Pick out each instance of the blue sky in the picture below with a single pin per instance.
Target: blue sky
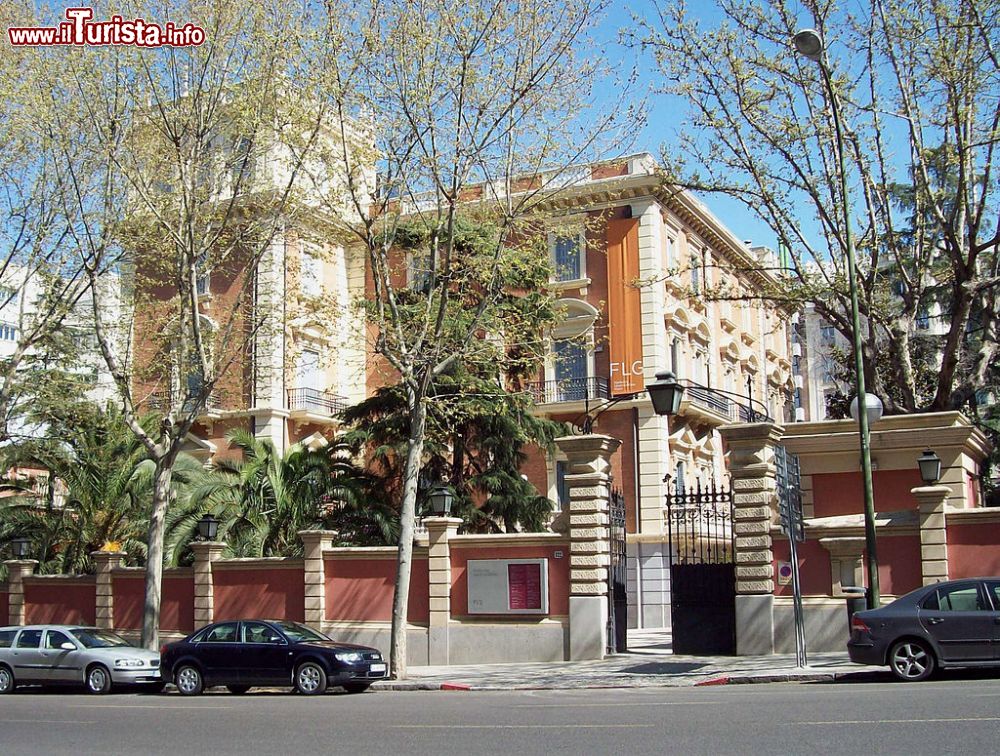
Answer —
(666, 114)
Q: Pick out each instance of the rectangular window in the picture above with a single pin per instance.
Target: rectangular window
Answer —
(203, 280)
(671, 252)
(311, 275)
(8, 332)
(419, 273)
(695, 274)
(309, 371)
(567, 257)
(828, 334)
(923, 320)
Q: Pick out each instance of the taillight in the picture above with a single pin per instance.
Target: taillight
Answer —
(859, 624)
(163, 650)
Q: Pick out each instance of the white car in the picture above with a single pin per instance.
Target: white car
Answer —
(73, 655)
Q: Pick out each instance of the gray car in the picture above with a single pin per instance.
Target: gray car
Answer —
(73, 654)
(950, 624)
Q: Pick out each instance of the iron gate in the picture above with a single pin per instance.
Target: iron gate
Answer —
(617, 573)
(702, 570)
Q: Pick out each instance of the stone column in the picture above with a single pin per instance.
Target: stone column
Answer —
(439, 531)
(205, 552)
(933, 532)
(589, 481)
(17, 571)
(104, 609)
(755, 506)
(314, 574)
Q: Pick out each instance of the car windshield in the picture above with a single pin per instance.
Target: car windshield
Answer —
(98, 638)
(297, 633)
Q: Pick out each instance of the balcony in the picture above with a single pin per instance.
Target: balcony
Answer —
(569, 390)
(706, 404)
(315, 402)
(163, 401)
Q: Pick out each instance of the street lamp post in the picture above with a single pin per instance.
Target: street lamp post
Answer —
(809, 43)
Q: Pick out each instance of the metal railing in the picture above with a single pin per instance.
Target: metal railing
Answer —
(162, 401)
(708, 399)
(314, 400)
(568, 390)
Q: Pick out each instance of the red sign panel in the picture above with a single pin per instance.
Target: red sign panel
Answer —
(524, 583)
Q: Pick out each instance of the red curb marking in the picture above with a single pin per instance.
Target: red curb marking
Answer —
(455, 686)
(713, 681)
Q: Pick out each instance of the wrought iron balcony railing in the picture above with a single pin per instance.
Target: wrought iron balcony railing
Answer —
(161, 401)
(314, 400)
(708, 399)
(569, 390)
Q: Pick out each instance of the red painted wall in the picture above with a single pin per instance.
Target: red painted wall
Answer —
(898, 568)
(973, 549)
(59, 602)
(361, 590)
(841, 493)
(899, 564)
(4, 608)
(176, 604)
(268, 593)
(558, 574)
(814, 568)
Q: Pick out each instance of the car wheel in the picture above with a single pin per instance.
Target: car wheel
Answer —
(7, 683)
(189, 680)
(357, 687)
(237, 690)
(911, 660)
(310, 679)
(98, 680)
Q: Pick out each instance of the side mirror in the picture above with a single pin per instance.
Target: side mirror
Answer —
(67, 646)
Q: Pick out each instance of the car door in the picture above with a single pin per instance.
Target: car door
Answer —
(27, 656)
(62, 665)
(993, 592)
(265, 655)
(220, 652)
(960, 620)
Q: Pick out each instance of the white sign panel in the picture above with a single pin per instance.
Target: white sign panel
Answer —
(508, 586)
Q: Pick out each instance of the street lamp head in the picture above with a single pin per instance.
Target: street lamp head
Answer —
(439, 498)
(930, 467)
(665, 393)
(208, 527)
(20, 547)
(873, 408)
(808, 43)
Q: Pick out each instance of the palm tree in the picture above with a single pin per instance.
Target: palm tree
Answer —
(88, 484)
(264, 499)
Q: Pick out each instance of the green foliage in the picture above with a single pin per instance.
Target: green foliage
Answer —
(476, 434)
(86, 483)
(264, 499)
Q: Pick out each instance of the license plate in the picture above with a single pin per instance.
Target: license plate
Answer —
(377, 668)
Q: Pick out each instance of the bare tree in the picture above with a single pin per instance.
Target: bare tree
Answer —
(472, 112)
(917, 84)
(197, 156)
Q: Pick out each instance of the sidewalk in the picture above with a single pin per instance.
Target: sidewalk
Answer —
(648, 663)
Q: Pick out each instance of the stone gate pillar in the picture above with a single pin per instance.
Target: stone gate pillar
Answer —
(589, 481)
(439, 531)
(314, 574)
(17, 571)
(105, 563)
(933, 532)
(755, 506)
(205, 552)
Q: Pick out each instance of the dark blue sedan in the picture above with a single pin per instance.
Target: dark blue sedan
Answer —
(243, 654)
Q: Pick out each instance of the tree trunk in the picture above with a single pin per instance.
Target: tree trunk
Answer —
(404, 560)
(154, 555)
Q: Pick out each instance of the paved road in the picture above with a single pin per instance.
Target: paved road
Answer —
(956, 714)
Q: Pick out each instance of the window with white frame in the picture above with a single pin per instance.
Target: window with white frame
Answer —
(679, 477)
(309, 372)
(695, 274)
(8, 332)
(562, 487)
(671, 250)
(203, 275)
(418, 273)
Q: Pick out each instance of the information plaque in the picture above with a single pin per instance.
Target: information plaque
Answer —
(508, 586)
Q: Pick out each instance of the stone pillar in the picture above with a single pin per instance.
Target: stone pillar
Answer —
(205, 552)
(314, 574)
(439, 531)
(104, 609)
(755, 506)
(845, 562)
(17, 571)
(589, 482)
(933, 532)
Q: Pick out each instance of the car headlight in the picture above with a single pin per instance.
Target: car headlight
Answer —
(129, 663)
(350, 657)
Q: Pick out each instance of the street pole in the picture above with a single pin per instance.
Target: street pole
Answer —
(871, 561)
